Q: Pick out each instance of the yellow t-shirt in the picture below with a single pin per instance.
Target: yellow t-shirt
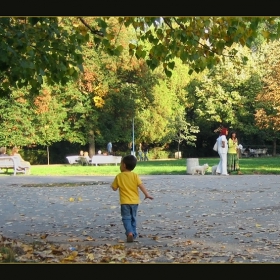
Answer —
(127, 183)
(232, 147)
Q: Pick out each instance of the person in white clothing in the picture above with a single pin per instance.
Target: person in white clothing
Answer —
(222, 151)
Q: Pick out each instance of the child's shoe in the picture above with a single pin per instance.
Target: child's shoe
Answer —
(130, 237)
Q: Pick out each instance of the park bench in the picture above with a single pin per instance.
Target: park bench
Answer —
(101, 159)
(13, 162)
(254, 152)
(78, 159)
(96, 159)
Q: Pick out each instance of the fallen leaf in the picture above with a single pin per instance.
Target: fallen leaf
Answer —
(90, 257)
(89, 238)
(44, 236)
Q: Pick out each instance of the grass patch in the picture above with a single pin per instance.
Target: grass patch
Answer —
(260, 165)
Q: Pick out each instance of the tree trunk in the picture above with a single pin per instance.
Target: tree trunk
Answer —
(91, 146)
(274, 148)
(48, 155)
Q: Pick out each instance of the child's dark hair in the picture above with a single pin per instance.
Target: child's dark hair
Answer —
(130, 162)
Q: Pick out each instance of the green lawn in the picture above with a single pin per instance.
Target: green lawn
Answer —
(260, 165)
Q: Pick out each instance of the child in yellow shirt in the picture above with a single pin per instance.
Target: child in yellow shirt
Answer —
(128, 182)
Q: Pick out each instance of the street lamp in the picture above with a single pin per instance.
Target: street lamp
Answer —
(131, 92)
(133, 151)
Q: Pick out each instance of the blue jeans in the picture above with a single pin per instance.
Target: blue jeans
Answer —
(128, 213)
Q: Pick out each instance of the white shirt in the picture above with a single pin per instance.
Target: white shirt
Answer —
(220, 148)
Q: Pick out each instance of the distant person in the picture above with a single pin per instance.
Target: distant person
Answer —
(81, 153)
(84, 159)
(128, 183)
(109, 148)
(145, 151)
(99, 152)
(222, 143)
(3, 152)
(140, 152)
(24, 163)
(233, 154)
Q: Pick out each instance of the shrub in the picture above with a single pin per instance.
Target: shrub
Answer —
(158, 153)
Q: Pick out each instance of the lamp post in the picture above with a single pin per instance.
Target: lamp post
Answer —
(133, 151)
(131, 92)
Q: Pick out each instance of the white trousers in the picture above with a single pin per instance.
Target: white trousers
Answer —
(222, 166)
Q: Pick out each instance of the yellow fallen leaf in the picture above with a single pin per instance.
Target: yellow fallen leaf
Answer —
(89, 238)
(74, 253)
(258, 225)
(80, 199)
(118, 247)
(195, 252)
(27, 248)
(71, 199)
(90, 257)
(71, 257)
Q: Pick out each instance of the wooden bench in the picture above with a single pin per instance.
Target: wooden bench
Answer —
(105, 160)
(13, 162)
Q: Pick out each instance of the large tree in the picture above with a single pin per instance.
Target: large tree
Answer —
(33, 49)
(267, 115)
(225, 95)
(51, 47)
(201, 42)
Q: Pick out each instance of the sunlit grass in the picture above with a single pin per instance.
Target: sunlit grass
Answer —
(260, 165)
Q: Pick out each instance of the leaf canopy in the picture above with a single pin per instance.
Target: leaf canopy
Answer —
(51, 47)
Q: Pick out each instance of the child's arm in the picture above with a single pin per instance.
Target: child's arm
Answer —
(145, 192)
(113, 188)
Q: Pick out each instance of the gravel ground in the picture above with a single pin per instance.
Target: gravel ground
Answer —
(215, 218)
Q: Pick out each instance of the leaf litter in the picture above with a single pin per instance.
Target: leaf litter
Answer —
(188, 222)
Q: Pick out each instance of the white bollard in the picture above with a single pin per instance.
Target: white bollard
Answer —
(176, 155)
(190, 163)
